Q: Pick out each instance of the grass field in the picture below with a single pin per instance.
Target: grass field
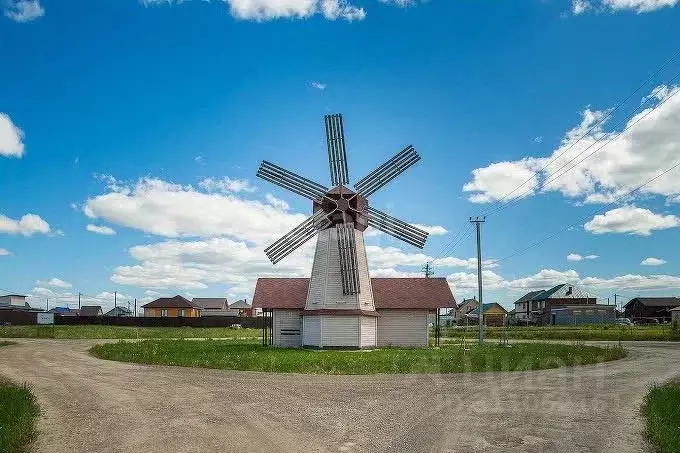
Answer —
(662, 411)
(223, 355)
(120, 332)
(584, 333)
(18, 413)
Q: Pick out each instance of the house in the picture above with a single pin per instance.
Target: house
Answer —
(579, 314)
(119, 312)
(64, 311)
(651, 307)
(172, 307)
(541, 305)
(242, 308)
(214, 306)
(522, 310)
(464, 309)
(675, 313)
(91, 310)
(14, 302)
(494, 315)
(397, 314)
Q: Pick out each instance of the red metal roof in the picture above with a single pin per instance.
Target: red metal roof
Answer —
(394, 293)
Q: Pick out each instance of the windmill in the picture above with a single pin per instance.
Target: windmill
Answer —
(339, 308)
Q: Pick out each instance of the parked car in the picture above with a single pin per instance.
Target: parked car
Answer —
(623, 322)
(643, 321)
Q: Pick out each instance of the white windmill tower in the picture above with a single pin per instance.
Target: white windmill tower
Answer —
(339, 310)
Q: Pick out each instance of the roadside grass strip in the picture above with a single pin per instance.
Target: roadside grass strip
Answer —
(450, 359)
(581, 333)
(18, 414)
(124, 332)
(662, 412)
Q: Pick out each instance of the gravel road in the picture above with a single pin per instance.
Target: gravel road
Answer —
(92, 405)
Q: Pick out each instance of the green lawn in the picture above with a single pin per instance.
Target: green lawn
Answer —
(92, 331)
(584, 333)
(18, 414)
(662, 411)
(225, 355)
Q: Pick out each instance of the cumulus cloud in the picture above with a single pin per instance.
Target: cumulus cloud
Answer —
(651, 261)
(11, 138)
(634, 282)
(104, 230)
(54, 283)
(4, 252)
(638, 6)
(24, 10)
(173, 210)
(262, 10)
(28, 225)
(578, 257)
(625, 159)
(226, 185)
(632, 220)
(319, 86)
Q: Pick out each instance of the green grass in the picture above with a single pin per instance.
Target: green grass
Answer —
(662, 411)
(121, 332)
(224, 355)
(18, 413)
(583, 333)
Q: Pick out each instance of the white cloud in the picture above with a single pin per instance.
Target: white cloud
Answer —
(433, 230)
(639, 6)
(28, 225)
(632, 220)
(11, 144)
(4, 252)
(319, 86)
(650, 144)
(54, 283)
(172, 210)
(577, 257)
(276, 202)
(580, 6)
(634, 282)
(104, 230)
(24, 10)
(651, 261)
(199, 160)
(226, 185)
(399, 3)
(496, 181)
(544, 279)
(465, 280)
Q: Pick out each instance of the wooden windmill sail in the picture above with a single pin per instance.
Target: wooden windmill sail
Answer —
(340, 279)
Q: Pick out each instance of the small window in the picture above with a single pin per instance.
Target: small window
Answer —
(180, 312)
(164, 312)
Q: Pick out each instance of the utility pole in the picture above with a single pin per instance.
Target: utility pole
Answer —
(115, 299)
(478, 222)
(79, 294)
(135, 307)
(47, 301)
(616, 307)
(428, 270)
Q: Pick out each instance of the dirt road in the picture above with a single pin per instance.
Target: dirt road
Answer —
(91, 405)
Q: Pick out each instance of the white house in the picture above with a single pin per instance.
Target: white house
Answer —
(389, 312)
(13, 301)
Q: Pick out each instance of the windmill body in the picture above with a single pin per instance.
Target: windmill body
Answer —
(339, 310)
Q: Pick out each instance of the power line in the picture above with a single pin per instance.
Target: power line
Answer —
(561, 230)
(597, 123)
(611, 139)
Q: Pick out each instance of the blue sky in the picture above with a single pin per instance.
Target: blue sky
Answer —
(145, 122)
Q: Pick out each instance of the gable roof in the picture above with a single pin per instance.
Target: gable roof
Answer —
(210, 303)
(486, 308)
(170, 302)
(240, 304)
(116, 311)
(90, 310)
(528, 296)
(675, 309)
(656, 301)
(393, 293)
(564, 291)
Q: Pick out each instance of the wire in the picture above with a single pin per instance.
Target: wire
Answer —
(594, 126)
(611, 139)
(552, 235)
